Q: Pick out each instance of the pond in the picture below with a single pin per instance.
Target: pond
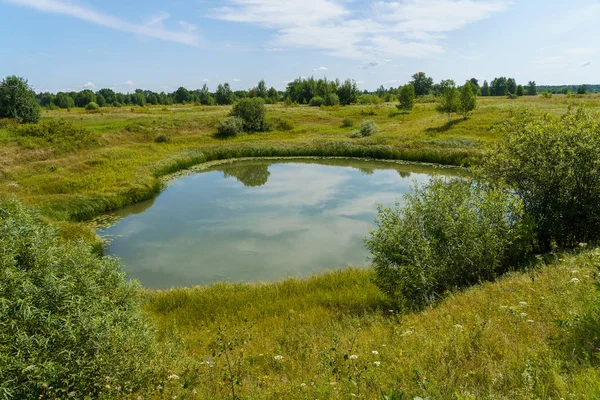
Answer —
(258, 220)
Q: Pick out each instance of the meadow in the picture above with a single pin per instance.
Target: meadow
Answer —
(530, 335)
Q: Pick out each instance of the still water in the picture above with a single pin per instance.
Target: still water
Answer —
(258, 220)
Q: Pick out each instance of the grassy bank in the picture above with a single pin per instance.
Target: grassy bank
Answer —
(70, 182)
(530, 335)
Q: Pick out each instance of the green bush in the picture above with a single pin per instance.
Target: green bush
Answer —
(253, 114)
(17, 101)
(367, 128)
(70, 323)
(284, 124)
(347, 123)
(546, 94)
(407, 98)
(56, 131)
(230, 126)
(316, 101)
(446, 235)
(553, 164)
(91, 106)
(162, 138)
(332, 99)
(367, 99)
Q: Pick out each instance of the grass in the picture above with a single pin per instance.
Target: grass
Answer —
(74, 183)
(531, 335)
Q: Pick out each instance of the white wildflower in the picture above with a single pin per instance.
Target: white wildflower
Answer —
(458, 326)
(375, 352)
(530, 321)
(523, 314)
(522, 303)
(582, 244)
(278, 358)
(377, 363)
(574, 271)
(303, 385)
(574, 280)
(353, 357)
(172, 376)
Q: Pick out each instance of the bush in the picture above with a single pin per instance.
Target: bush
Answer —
(367, 128)
(162, 138)
(367, 99)
(230, 126)
(283, 124)
(93, 107)
(71, 322)
(17, 101)
(546, 94)
(253, 114)
(316, 101)
(347, 123)
(332, 99)
(552, 164)
(56, 131)
(407, 98)
(446, 235)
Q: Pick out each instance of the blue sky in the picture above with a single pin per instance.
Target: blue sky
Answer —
(161, 45)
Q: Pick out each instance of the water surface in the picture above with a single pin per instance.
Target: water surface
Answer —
(258, 220)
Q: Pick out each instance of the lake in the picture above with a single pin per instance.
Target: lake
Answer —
(259, 220)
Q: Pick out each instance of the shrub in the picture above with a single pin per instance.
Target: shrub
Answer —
(447, 235)
(56, 131)
(367, 99)
(253, 114)
(283, 124)
(347, 123)
(93, 107)
(332, 99)
(546, 94)
(367, 128)
(230, 126)
(162, 138)
(17, 101)
(552, 164)
(75, 328)
(316, 101)
(407, 98)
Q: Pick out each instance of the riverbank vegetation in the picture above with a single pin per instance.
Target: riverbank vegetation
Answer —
(394, 332)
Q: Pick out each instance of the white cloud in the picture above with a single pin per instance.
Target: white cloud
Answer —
(236, 80)
(88, 85)
(586, 64)
(153, 28)
(320, 69)
(408, 28)
(205, 80)
(129, 83)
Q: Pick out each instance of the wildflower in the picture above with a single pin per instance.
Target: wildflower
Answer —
(523, 314)
(29, 368)
(522, 303)
(503, 306)
(582, 244)
(408, 332)
(353, 357)
(172, 376)
(194, 391)
(303, 385)
(72, 394)
(458, 326)
(377, 363)
(375, 352)
(574, 271)
(278, 358)
(574, 280)
(159, 388)
(174, 397)
(530, 321)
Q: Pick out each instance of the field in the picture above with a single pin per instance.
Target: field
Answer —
(530, 335)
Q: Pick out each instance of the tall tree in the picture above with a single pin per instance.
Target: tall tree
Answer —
(531, 89)
(261, 89)
(511, 86)
(17, 100)
(182, 95)
(84, 98)
(520, 90)
(224, 95)
(499, 87)
(407, 97)
(449, 101)
(485, 89)
(348, 92)
(422, 84)
(468, 100)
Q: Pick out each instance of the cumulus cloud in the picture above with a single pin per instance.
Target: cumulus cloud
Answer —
(154, 27)
(88, 85)
(129, 83)
(320, 69)
(586, 64)
(406, 28)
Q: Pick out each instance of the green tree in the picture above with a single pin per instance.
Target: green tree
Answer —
(520, 90)
(101, 101)
(422, 84)
(499, 87)
(224, 95)
(47, 99)
(17, 101)
(552, 163)
(261, 89)
(449, 102)
(511, 86)
(273, 95)
(84, 97)
(204, 96)
(468, 100)
(348, 92)
(531, 89)
(108, 94)
(63, 100)
(182, 95)
(582, 89)
(253, 113)
(485, 89)
(407, 97)
(441, 87)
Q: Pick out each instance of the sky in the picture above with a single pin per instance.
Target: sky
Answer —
(61, 45)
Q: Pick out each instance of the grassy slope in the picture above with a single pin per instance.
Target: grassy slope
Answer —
(501, 340)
